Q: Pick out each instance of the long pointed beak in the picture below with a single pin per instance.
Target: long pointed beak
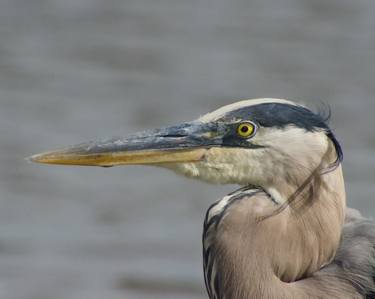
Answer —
(177, 144)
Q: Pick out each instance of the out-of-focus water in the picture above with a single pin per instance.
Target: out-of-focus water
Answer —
(80, 69)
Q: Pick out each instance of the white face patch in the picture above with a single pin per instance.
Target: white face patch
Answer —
(288, 152)
(217, 114)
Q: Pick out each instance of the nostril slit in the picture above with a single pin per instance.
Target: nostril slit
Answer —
(173, 135)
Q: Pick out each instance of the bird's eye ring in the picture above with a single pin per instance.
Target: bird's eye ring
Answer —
(246, 129)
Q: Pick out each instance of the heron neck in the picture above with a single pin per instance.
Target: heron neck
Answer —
(272, 258)
(310, 224)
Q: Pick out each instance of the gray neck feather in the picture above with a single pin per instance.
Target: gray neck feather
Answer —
(249, 256)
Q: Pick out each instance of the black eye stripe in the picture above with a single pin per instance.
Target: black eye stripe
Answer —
(279, 115)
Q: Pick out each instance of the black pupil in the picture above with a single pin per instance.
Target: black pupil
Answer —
(244, 129)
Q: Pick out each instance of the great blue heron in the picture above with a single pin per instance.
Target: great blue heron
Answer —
(287, 232)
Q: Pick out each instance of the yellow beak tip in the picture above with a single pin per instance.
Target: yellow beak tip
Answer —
(38, 158)
(46, 158)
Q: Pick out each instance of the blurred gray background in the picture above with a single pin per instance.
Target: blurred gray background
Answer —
(74, 70)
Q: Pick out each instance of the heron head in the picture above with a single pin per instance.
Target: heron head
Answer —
(252, 142)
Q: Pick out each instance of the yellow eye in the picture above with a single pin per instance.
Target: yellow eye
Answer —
(246, 129)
